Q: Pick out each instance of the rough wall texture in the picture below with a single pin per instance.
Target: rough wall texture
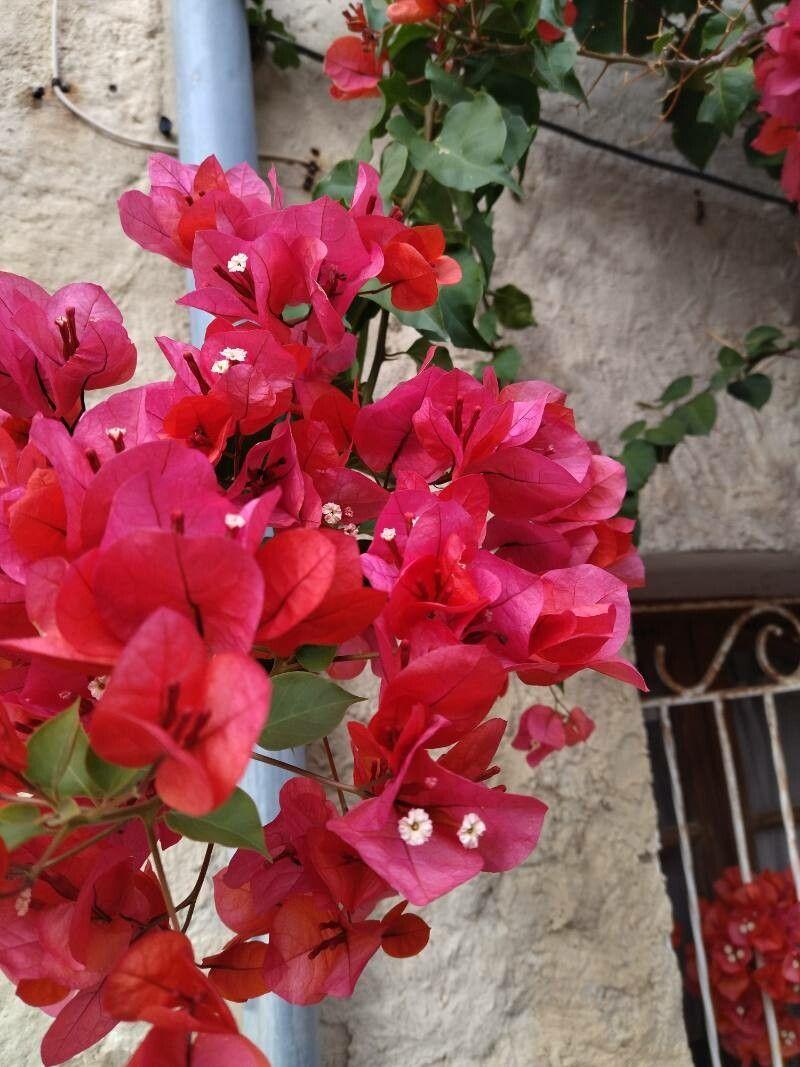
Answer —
(564, 963)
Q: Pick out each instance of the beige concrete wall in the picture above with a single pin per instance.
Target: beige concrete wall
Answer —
(564, 963)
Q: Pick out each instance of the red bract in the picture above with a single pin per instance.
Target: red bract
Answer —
(741, 920)
(354, 67)
(549, 32)
(54, 348)
(314, 590)
(172, 1048)
(185, 199)
(157, 981)
(196, 716)
(403, 11)
(414, 264)
(431, 830)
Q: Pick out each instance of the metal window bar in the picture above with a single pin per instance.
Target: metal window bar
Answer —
(701, 693)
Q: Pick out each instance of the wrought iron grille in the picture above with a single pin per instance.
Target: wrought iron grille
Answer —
(732, 669)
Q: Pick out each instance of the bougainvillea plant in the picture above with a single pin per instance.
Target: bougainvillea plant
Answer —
(189, 570)
(751, 935)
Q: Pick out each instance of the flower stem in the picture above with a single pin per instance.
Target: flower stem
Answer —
(191, 900)
(155, 852)
(308, 774)
(332, 764)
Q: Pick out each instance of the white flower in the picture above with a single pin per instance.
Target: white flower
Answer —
(237, 263)
(221, 366)
(388, 533)
(351, 529)
(234, 521)
(416, 827)
(97, 686)
(115, 433)
(472, 829)
(331, 513)
(23, 902)
(234, 355)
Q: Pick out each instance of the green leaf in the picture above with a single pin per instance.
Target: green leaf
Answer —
(393, 165)
(340, 182)
(670, 431)
(506, 363)
(513, 307)
(446, 87)
(632, 430)
(731, 90)
(762, 339)
(518, 137)
(677, 390)
(428, 322)
(699, 414)
(466, 153)
(640, 461)
(729, 359)
(662, 41)
(18, 824)
(236, 824)
(419, 353)
(458, 304)
(315, 658)
(304, 708)
(718, 28)
(555, 64)
(755, 390)
(57, 754)
(109, 778)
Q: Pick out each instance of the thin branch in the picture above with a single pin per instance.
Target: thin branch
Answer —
(416, 182)
(308, 774)
(378, 357)
(155, 852)
(80, 847)
(332, 764)
(191, 900)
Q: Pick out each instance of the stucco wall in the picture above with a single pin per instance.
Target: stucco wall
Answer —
(565, 962)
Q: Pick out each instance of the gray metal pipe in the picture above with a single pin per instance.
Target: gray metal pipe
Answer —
(216, 115)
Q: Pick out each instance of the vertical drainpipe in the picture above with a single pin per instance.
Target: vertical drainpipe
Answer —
(216, 115)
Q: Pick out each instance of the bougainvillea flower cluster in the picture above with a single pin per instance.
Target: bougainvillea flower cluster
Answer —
(751, 935)
(186, 560)
(777, 72)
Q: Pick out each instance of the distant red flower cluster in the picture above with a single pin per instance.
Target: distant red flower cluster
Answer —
(164, 553)
(777, 71)
(751, 934)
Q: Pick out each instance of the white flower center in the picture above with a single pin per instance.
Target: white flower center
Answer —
(331, 513)
(472, 830)
(234, 355)
(388, 533)
(221, 366)
(97, 686)
(237, 263)
(234, 521)
(116, 432)
(416, 827)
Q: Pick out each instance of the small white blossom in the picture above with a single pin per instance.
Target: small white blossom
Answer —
(97, 686)
(238, 263)
(114, 433)
(388, 533)
(350, 529)
(331, 513)
(472, 829)
(234, 521)
(23, 902)
(221, 366)
(234, 355)
(416, 827)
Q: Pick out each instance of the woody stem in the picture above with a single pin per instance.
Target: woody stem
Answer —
(155, 852)
(308, 774)
(332, 764)
(191, 900)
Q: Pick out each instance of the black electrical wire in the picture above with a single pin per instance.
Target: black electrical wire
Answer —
(612, 149)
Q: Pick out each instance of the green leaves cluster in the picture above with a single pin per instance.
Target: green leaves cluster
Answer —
(685, 409)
